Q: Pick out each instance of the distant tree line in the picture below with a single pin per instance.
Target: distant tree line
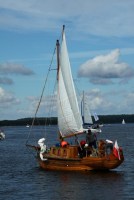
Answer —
(115, 119)
(29, 121)
(105, 119)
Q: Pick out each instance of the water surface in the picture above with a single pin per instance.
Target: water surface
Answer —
(21, 178)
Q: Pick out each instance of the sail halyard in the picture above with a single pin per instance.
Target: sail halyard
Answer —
(69, 117)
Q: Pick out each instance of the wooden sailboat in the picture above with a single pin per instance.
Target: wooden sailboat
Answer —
(78, 156)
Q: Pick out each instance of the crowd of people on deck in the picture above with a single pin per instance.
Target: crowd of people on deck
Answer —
(90, 143)
(87, 146)
(93, 146)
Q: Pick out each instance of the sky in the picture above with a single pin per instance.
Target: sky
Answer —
(100, 40)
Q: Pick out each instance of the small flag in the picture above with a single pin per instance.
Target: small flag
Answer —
(116, 150)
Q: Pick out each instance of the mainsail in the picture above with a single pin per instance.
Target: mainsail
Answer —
(69, 117)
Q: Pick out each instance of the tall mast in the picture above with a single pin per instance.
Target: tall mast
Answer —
(63, 30)
(83, 107)
(58, 60)
(58, 51)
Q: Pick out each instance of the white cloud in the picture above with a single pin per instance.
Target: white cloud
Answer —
(94, 53)
(105, 68)
(83, 18)
(104, 104)
(6, 81)
(112, 18)
(128, 101)
(13, 68)
(47, 107)
(99, 101)
(7, 99)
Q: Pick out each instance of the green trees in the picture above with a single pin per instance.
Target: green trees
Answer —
(105, 119)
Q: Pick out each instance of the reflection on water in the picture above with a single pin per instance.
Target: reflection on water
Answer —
(83, 185)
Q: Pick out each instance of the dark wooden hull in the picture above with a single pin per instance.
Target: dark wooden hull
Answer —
(79, 165)
(67, 159)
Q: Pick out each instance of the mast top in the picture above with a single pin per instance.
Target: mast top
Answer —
(63, 27)
(57, 42)
(63, 30)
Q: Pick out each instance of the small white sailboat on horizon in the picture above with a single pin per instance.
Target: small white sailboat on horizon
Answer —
(123, 121)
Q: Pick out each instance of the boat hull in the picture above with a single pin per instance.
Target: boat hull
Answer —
(71, 162)
(83, 165)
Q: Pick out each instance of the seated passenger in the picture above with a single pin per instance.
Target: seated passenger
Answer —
(82, 143)
(81, 148)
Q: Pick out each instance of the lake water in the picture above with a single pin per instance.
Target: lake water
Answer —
(21, 178)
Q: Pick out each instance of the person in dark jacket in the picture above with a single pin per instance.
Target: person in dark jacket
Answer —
(91, 139)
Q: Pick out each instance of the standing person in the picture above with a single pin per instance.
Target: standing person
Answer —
(91, 139)
(109, 146)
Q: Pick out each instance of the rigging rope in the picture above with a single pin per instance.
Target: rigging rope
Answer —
(49, 69)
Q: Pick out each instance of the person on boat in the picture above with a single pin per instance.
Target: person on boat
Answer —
(109, 146)
(43, 147)
(64, 143)
(91, 139)
(81, 148)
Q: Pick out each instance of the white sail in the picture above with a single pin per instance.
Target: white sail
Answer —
(123, 121)
(86, 114)
(69, 117)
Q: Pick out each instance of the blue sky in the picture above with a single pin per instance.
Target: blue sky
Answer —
(100, 38)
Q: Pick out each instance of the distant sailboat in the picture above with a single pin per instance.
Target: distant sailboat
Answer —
(87, 118)
(85, 111)
(123, 121)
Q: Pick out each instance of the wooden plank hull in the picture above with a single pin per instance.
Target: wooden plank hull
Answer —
(68, 160)
(81, 165)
